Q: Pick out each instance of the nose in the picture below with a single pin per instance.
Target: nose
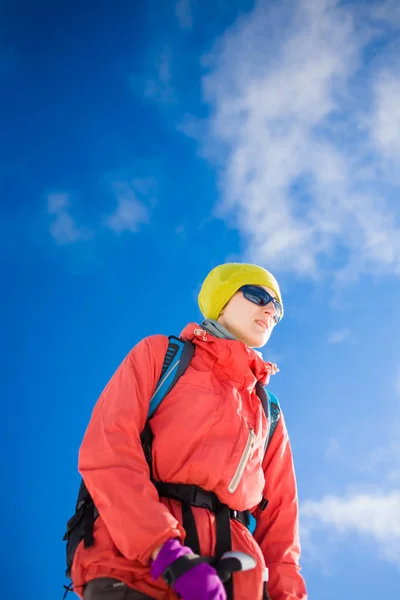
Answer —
(269, 309)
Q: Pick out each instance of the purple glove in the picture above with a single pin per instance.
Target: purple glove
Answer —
(200, 582)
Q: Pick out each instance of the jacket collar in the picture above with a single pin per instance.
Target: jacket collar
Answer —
(232, 359)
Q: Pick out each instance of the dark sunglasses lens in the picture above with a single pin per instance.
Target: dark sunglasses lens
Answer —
(256, 295)
(262, 298)
(278, 308)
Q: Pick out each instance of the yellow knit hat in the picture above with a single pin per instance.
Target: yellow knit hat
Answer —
(224, 281)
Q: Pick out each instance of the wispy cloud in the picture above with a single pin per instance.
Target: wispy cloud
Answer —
(300, 171)
(370, 511)
(183, 11)
(130, 212)
(341, 336)
(385, 121)
(159, 87)
(63, 227)
(375, 515)
(332, 449)
(388, 11)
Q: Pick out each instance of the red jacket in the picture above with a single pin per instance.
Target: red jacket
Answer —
(200, 432)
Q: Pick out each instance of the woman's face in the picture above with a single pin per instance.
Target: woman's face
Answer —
(248, 322)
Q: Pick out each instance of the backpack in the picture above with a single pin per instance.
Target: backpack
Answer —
(177, 358)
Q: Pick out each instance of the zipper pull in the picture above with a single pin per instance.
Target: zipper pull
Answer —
(200, 333)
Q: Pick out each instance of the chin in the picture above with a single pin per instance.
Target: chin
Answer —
(253, 339)
(257, 342)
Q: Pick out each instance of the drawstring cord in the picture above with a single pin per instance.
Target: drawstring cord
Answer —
(68, 588)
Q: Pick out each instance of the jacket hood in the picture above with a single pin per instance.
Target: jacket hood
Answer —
(232, 358)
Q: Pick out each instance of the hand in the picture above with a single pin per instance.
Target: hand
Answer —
(200, 582)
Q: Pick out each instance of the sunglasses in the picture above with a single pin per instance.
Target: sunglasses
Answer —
(261, 297)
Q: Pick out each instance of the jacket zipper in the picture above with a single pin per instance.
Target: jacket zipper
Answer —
(232, 487)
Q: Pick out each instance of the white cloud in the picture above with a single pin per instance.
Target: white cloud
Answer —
(332, 449)
(63, 227)
(372, 513)
(130, 212)
(183, 11)
(388, 11)
(385, 122)
(299, 174)
(56, 203)
(375, 515)
(342, 336)
(159, 87)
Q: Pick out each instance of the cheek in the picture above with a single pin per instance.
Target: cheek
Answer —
(237, 308)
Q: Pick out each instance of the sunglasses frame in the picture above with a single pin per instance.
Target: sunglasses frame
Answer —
(256, 290)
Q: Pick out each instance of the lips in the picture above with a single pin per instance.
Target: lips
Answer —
(262, 324)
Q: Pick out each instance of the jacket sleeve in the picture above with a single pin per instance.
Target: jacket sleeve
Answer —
(112, 462)
(277, 526)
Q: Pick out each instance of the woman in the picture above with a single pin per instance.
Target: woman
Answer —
(209, 432)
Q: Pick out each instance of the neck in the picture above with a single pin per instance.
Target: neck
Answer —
(217, 329)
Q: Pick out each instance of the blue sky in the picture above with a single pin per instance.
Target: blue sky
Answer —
(142, 144)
